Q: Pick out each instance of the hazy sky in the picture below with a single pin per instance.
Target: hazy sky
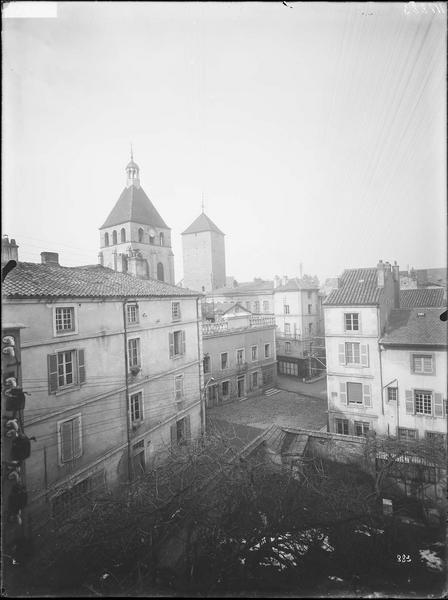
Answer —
(316, 132)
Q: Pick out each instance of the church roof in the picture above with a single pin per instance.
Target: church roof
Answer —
(202, 223)
(134, 205)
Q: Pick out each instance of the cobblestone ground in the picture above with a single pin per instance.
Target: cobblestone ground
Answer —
(284, 409)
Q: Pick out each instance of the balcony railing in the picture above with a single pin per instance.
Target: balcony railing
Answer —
(223, 326)
(214, 328)
(261, 320)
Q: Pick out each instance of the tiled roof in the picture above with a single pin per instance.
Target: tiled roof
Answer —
(33, 280)
(306, 283)
(202, 223)
(421, 297)
(134, 205)
(244, 288)
(356, 286)
(406, 327)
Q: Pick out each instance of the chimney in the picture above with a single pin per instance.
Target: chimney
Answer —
(9, 250)
(301, 270)
(276, 281)
(396, 271)
(396, 284)
(380, 268)
(49, 258)
(285, 279)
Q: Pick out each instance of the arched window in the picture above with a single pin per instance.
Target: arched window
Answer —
(140, 234)
(151, 239)
(160, 275)
(123, 234)
(161, 238)
(106, 239)
(114, 237)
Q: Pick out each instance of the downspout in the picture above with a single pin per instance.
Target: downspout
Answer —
(128, 424)
(201, 392)
(381, 364)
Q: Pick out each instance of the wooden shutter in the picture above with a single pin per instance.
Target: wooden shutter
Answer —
(343, 393)
(409, 402)
(412, 363)
(187, 428)
(438, 405)
(342, 354)
(77, 437)
(81, 367)
(366, 395)
(171, 344)
(182, 348)
(174, 434)
(66, 433)
(364, 355)
(52, 362)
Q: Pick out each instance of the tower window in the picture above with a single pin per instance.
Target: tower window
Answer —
(140, 234)
(160, 274)
(114, 237)
(123, 234)
(106, 239)
(161, 238)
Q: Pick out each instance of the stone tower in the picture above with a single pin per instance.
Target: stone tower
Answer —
(203, 255)
(134, 238)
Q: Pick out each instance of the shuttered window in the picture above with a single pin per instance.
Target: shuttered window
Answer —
(136, 407)
(354, 392)
(70, 439)
(423, 403)
(177, 343)
(134, 358)
(179, 387)
(65, 369)
(352, 353)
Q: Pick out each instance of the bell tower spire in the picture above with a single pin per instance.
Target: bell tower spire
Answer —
(132, 172)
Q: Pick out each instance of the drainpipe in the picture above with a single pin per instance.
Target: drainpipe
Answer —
(381, 363)
(128, 423)
(201, 392)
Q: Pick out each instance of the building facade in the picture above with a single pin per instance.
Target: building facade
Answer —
(204, 256)
(239, 356)
(256, 296)
(134, 238)
(113, 364)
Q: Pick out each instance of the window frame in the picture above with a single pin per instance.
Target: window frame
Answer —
(365, 428)
(286, 309)
(178, 378)
(252, 353)
(132, 305)
(431, 403)
(139, 353)
(207, 356)
(401, 430)
(64, 332)
(257, 384)
(74, 373)
(422, 356)
(227, 361)
(141, 407)
(176, 315)
(267, 347)
(352, 362)
(287, 328)
(61, 462)
(351, 328)
(287, 347)
(237, 361)
(344, 425)
(395, 390)
(354, 383)
(227, 381)
(180, 339)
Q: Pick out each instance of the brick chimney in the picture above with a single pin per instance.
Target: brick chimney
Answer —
(380, 271)
(396, 278)
(10, 250)
(49, 258)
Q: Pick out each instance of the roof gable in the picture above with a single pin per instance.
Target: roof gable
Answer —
(202, 223)
(135, 206)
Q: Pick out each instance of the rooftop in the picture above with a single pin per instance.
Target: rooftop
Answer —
(422, 297)
(412, 326)
(246, 287)
(296, 283)
(356, 286)
(202, 223)
(134, 205)
(35, 280)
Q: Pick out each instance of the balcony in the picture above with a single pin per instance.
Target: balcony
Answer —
(221, 327)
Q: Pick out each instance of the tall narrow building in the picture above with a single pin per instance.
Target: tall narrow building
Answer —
(134, 238)
(203, 255)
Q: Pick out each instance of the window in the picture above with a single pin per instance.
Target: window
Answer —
(179, 387)
(241, 387)
(310, 328)
(160, 272)
(352, 353)
(288, 347)
(65, 319)
(123, 235)
(254, 380)
(354, 393)
(161, 238)
(132, 311)
(351, 321)
(141, 233)
(310, 308)
(435, 436)
(207, 363)
(423, 403)
(361, 428)
(422, 363)
(248, 305)
(287, 328)
(106, 239)
(136, 407)
(407, 434)
(225, 389)
(256, 306)
(134, 353)
(224, 360)
(286, 309)
(65, 369)
(392, 394)
(181, 432)
(254, 353)
(175, 311)
(70, 439)
(240, 356)
(267, 350)
(341, 426)
(114, 237)
(177, 343)
(265, 306)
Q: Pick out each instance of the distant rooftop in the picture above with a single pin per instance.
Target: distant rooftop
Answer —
(356, 286)
(415, 326)
(422, 297)
(202, 223)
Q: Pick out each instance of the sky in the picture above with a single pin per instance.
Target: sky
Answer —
(314, 132)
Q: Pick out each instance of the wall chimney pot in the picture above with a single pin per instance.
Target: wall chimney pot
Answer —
(49, 258)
